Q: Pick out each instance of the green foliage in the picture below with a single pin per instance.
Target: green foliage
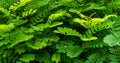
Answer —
(56, 57)
(27, 57)
(26, 13)
(67, 31)
(74, 51)
(95, 58)
(113, 38)
(19, 4)
(59, 31)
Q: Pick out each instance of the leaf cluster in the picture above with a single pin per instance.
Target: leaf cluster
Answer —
(59, 31)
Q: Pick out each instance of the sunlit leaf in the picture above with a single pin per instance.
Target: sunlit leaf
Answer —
(56, 57)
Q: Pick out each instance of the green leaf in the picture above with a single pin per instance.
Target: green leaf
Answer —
(17, 22)
(6, 28)
(63, 46)
(40, 27)
(56, 24)
(57, 15)
(16, 5)
(89, 39)
(74, 51)
(67, 31)
(21, 37)
(34, 4)
(36, 45)
(27, 57)
(5, 11)
(113, 58)
(27, 13)
(44, 57)
(40, 45)
(56, 57)
(113, 39)
(82, 22)
(43, 2)
(94, 6)
(95, 58)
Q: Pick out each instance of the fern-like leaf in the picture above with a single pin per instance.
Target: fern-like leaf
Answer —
(19, 4)
(57, 15)
(56, 57)
(27, 57)
(67, 31)
(74, 51)
(21, 37)
(113, 39)
(91, 22)
(5, 11)
(96, 28)
(94, 44)
(95, 58)
(30, 12)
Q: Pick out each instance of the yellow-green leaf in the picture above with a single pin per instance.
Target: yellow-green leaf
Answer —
(56, 57)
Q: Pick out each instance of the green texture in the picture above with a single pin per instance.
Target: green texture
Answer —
(59, 31)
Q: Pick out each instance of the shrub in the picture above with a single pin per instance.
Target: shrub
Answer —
(60, 31)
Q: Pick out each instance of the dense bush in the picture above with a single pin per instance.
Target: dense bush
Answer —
(59, 31)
